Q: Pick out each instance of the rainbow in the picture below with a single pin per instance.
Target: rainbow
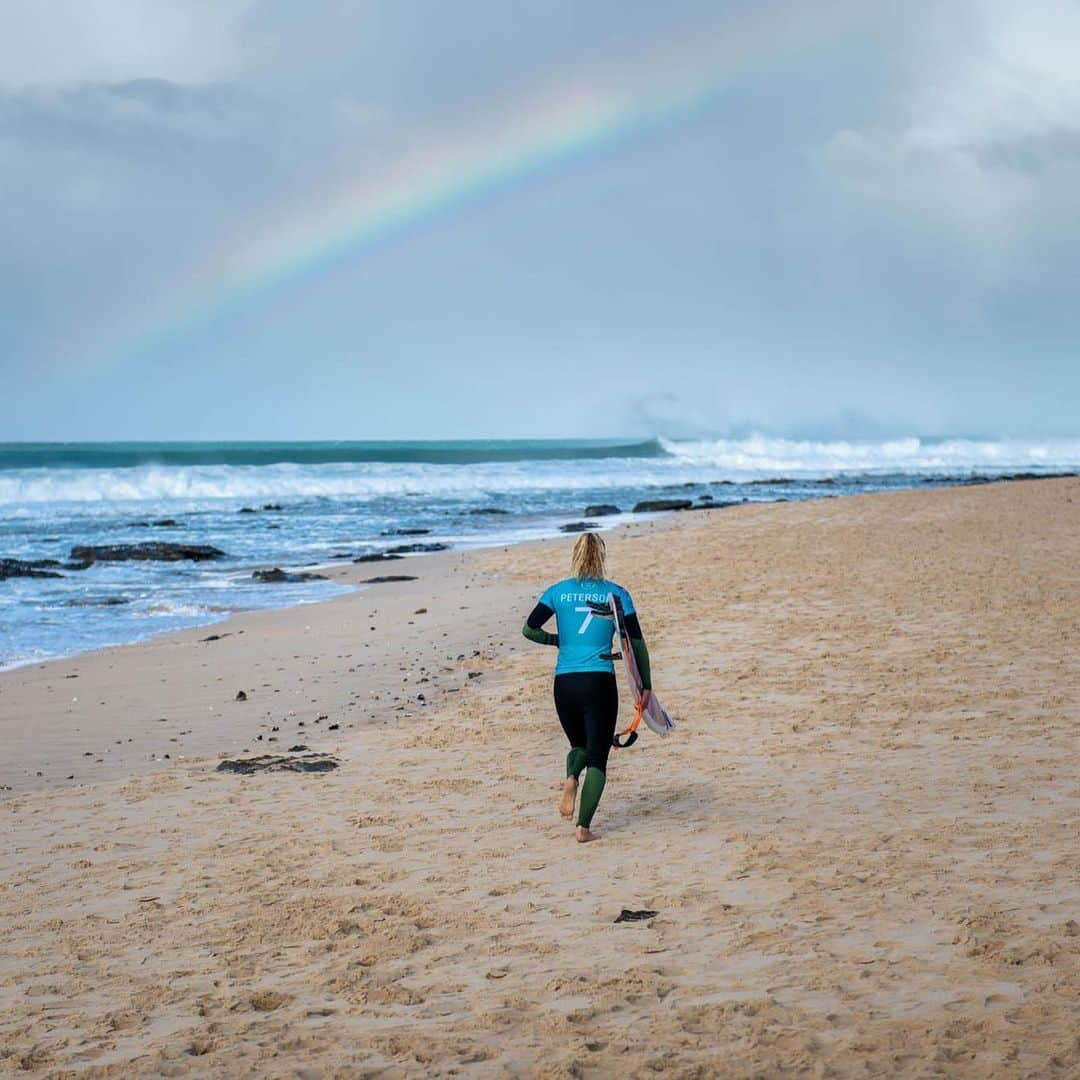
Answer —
(572, 125)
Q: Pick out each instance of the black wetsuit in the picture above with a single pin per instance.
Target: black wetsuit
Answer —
(587, 703)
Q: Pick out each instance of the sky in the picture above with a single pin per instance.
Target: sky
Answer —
(414, 218)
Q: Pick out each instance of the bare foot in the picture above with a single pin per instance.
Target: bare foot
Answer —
(584, 836)
(568, 797)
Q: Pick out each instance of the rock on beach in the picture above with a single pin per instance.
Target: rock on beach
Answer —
(649, 506)
(277, 576)
(152, 550)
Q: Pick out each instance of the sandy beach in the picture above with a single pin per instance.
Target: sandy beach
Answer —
(862, 842)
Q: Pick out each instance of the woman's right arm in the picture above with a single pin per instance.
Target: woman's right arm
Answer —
(532, 628)
(641, 650)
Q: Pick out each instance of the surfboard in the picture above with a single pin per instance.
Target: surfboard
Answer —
(653, 713)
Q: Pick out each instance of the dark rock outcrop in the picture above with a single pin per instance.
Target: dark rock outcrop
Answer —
(652, 506)
(410, 549)
(387, 577)
(377, 556)
(277, 576)
(488, 510)
(601, 510)
(153, 550)
(577, 526)
(12, 568)
(711, 505)
(1037, 476)
(406, 532)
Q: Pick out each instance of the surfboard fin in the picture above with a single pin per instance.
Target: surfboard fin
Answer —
(600, 609)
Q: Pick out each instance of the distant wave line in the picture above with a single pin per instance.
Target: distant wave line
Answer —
(457, 452)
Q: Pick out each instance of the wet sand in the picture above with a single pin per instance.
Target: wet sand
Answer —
(367, 655)
(861, 843)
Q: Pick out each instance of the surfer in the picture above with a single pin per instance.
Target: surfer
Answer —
(586, 695)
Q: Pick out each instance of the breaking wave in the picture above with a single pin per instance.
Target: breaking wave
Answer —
(667, 462)
(760, 454)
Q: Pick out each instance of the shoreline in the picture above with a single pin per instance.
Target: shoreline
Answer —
(395, 596)
(97, 748)
(859, 843)
(546, 526)
(182, 731)
(338, 571)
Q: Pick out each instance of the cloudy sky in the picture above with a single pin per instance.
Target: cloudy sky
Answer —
(409, 218)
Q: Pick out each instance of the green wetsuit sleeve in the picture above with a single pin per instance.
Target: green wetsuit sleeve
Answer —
(533, 628)
(541, 637)
(641, 655)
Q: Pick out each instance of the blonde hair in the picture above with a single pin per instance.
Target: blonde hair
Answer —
(588, 558)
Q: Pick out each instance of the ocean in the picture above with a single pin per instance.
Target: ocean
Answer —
(299, 505)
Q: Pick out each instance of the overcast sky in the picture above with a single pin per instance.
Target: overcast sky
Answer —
(871, 228)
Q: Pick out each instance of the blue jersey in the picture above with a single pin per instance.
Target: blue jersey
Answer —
(584, 638)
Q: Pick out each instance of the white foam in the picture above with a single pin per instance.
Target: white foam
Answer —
(762, 455)
(170, 609)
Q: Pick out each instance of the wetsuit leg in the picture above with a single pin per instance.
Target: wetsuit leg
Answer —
(588, 706)
(591, 790)
(601, 707)
(576, 761)
(572, 717)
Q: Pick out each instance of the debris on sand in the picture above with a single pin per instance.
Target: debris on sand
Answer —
(626, 915)
(310, 762)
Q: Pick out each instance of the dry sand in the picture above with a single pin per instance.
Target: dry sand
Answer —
(862, 842)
